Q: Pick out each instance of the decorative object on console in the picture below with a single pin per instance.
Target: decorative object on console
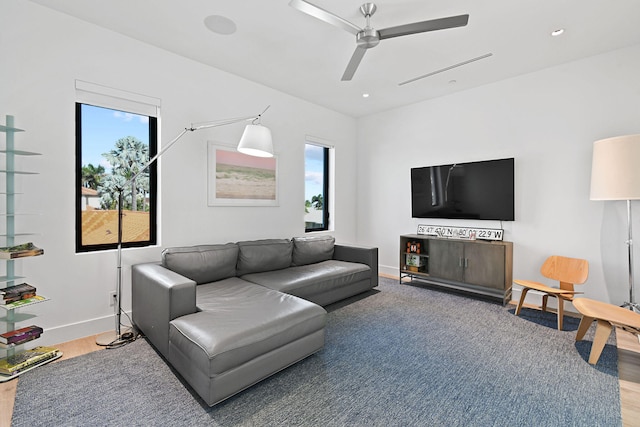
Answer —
(615, 175)
(462, 233)
(256, 140)
(413, 247)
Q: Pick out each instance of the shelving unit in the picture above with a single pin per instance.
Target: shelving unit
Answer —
(12, 317)
(471, 266)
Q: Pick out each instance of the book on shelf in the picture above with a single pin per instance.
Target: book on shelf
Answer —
(19, 251)
(23, 302)
(20, 361)
(17, 292)
(21, 335)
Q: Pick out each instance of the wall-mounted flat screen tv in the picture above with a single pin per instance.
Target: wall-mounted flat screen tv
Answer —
(475, 190)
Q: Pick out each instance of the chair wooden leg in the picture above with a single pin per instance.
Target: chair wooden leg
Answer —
(545, 297)
(585, 323)
(522, 295)
(560, 312)
(603, 330)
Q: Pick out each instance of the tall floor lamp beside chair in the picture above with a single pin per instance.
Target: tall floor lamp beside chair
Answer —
(615, 175)
(567, 271)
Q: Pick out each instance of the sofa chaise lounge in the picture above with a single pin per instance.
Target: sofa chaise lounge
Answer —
(227, 316)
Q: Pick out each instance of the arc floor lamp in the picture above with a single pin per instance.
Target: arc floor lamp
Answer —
(615, 175)
(255, 141)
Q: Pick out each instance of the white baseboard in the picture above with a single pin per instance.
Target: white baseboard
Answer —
(389, 271)
(73, 331)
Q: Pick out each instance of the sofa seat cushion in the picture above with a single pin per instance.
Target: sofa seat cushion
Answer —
(240, 321)
(306, 281)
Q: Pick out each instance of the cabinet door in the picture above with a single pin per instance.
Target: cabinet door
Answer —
(446, 260)
(484, 265)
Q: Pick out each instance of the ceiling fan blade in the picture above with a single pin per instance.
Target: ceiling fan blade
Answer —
(424, 26)
(324, 15)
(353, 63)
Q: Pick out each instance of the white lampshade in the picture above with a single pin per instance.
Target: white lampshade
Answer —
(256, 141)
(615, 171)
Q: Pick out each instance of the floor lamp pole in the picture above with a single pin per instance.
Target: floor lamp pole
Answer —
(631, 304)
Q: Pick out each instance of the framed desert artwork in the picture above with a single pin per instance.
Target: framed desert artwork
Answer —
(236, 179)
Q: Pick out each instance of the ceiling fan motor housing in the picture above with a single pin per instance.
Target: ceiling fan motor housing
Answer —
(368, 38)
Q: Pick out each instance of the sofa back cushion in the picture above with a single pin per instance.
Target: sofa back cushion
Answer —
(256, 256)
(204, 263)
(310, 250)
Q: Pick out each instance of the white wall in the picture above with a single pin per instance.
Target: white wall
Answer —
(548, 121)
(43, 53)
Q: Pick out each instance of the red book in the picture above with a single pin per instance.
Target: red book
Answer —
(21, 335)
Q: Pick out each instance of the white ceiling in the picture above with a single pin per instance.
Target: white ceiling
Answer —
(285, 49)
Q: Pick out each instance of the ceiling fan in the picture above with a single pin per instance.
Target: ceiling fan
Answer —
(369, 37)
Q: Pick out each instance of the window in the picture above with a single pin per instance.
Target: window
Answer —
(316, 188)
(111, 146)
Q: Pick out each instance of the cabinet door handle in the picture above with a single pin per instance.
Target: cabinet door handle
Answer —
(466, 262)
(460, 263)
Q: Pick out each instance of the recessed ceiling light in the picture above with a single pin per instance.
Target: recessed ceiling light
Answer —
(365, 95)
(220, 25)
(557, 32)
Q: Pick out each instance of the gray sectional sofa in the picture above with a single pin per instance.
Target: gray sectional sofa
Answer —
(227, 316)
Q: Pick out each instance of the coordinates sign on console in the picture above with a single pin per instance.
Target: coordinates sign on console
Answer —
(464, 233)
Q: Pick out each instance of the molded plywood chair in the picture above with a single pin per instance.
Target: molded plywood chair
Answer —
(567, 271)
(607, 316)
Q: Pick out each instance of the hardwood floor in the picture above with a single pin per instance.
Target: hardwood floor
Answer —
(629, 374)
(628, 371)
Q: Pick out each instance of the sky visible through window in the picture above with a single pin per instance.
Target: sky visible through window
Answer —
(314, 171)
(102, 127)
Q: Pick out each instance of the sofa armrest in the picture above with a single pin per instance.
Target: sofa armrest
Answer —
(159, 295)
(363, 255)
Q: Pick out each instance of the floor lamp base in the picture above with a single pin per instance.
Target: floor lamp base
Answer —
(111, 338)
(631, 306)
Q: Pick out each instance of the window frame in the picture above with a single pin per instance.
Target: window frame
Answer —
(325, 188)
(153, 183)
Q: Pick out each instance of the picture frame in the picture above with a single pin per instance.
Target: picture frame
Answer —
(237, 179)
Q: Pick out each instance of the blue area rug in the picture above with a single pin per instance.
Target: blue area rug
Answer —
(399, 356)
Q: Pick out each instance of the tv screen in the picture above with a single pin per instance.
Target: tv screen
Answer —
(475, 190)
